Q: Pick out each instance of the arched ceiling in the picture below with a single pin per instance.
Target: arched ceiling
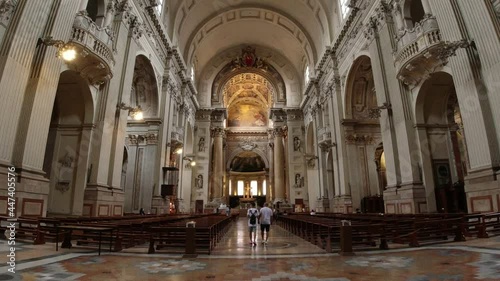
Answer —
(248, 88)
(299, 29)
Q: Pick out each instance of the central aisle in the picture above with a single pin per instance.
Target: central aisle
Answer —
(281, 242)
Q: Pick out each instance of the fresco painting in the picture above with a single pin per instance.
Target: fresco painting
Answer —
(246, 115)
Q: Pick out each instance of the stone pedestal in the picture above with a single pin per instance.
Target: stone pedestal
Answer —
(323, 205)
(103, 201)
(408, 199)
(31, 191)
(342, 204)
(160, 206)
(483, 191)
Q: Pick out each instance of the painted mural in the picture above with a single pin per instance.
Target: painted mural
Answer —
(246, 115)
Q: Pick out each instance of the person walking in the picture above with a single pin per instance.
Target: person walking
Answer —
(252, 215)
(265, 222)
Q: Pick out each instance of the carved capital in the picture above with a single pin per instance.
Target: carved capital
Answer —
(151, 138)
(279, 132)
(217, 132)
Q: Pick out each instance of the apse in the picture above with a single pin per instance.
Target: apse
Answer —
(247, 161)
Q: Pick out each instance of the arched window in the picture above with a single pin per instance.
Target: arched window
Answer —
(192, 74)
(344, 8)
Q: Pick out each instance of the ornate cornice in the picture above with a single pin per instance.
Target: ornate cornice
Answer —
(294, 114)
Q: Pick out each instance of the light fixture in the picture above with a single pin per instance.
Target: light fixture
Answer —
(134, 112)
(178, 150)
(66, 51)
(190, 160)
(374, 113)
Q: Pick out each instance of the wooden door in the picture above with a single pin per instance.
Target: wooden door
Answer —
(199, 207)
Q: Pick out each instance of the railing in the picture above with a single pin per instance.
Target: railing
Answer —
(95, 40)
(416, 41)
(419, 50)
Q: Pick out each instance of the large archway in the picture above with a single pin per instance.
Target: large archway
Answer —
(442, 143)
(362, 130)
(142, 138)
(66, 154)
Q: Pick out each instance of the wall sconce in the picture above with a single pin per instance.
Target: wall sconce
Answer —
(134, 112)
(374, 113)
(66, 51)
(310, 160)
(177, 147)
(190, 160)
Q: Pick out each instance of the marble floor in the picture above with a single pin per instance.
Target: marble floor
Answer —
(285, 258)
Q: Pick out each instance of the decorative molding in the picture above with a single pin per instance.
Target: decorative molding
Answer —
(359, 139)
(279, 132)
(7, 8)
(248, 146)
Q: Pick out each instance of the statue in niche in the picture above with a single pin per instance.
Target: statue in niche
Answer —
(296, 144)
(201, 144)
(199, 182)
(299, 181)
(65, 173)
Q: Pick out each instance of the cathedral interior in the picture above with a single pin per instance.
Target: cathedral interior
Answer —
(114, 108)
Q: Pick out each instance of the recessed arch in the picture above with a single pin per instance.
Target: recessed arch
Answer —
(144, 91)
(284, 67)
(360, 94)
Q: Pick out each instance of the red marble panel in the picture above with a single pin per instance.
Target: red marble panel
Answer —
(32, 207)
(482, 203)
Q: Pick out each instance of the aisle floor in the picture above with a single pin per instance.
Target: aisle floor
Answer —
(285, 258)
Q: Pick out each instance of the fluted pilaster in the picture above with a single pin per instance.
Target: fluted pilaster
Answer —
(218, 134)
(279, 171)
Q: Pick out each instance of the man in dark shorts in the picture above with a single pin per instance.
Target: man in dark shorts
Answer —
(265, 221)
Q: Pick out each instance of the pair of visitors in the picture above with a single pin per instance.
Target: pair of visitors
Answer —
(254, 217)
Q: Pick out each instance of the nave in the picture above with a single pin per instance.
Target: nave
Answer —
(285, 258)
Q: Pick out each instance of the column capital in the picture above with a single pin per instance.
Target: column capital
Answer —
(279, 132)
(217, 132)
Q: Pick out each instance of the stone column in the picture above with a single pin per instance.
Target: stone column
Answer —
(83, 5)
(259, 187)
(218, 134)
(279, 171)
(427, 7)
(270, 182)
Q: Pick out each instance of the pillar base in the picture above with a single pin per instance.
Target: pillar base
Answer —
(482, 189)
(103, 201)
(323, 205)
(31, 192)
(342, 204)
(160, 206)
(409, 198)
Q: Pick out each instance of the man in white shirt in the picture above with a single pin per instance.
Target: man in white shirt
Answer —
(253, 215)
(265, 222)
